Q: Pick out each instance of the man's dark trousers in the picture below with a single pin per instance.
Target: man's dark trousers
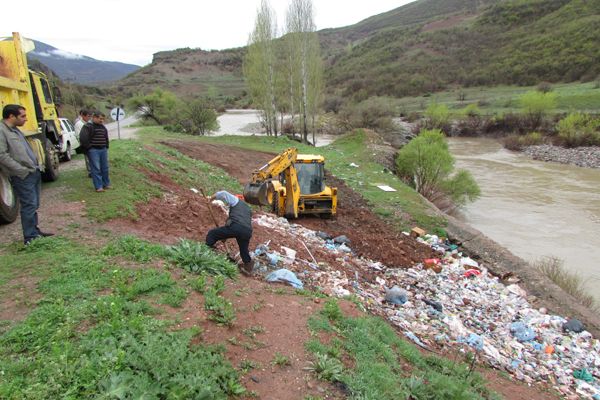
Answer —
(28, 191)
(241, 234)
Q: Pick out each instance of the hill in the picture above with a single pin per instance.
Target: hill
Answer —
(422, 47)
(189, 72)
(77, 68)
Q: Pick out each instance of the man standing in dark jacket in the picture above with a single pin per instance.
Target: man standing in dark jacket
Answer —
(238, 226)
(19, 162)
(95, 140)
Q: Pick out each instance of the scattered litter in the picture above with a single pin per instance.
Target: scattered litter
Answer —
(415, 339)
(342, 239)
(386, 188)
(573, 325)
(354, 165)
(522, 332)
(436, 306)
(396, 295)
(583, 374)
(493, 318)
(285, 275)
(290, 255)
(417, 232)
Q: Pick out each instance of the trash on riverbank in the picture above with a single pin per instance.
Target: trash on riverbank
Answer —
(458, 304)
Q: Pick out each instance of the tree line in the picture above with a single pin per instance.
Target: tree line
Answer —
(284, 72)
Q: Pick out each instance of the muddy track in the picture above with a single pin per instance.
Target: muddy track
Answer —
(371, 236)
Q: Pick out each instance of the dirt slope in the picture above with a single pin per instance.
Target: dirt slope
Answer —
(371, 237)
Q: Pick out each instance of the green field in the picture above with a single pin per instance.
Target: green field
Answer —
(584, 97)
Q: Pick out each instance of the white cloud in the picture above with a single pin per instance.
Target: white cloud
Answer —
(59, 53)
(131, 31)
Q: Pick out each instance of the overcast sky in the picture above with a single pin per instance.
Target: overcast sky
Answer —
(132, 30)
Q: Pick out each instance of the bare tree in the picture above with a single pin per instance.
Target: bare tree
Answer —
(260, 65)
(305, 64)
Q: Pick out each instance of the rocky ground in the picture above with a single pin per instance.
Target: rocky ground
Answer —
(588, 157)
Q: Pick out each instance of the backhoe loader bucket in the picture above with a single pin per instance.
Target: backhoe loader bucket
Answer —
(260, 194)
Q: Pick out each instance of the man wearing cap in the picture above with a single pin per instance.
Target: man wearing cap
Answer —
(238, 226)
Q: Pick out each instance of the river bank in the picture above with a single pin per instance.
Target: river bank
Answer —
(587, 157)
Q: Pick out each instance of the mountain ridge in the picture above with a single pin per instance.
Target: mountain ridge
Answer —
(76, 68)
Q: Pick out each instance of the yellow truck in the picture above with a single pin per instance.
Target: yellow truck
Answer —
(30, 89)
(293, 184)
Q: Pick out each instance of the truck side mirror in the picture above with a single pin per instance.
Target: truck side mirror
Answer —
(57, 96)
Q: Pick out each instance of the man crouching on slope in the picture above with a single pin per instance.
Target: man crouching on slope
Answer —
(238, 226)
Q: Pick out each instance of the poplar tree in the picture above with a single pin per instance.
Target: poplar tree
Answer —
(259, 66)
(305, 69)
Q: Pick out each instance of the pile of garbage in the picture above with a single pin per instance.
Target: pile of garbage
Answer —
(447, 301)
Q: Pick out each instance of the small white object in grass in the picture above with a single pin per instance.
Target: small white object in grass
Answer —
(194, 190)
(386, 188)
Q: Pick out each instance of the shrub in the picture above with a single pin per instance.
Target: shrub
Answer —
(536, 105)
(426, 163)
(471, 111)
(437, 116)
(517, 142)
(570, 282)
(578, 129)
(544, 87)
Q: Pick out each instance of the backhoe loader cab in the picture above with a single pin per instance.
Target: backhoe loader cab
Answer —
(293, 184)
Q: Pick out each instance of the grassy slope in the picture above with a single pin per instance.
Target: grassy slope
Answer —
(399, 53)
(583, 97)
(518, 42)
(99, 329)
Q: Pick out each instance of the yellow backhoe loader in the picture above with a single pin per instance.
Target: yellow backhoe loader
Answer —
(293, 184)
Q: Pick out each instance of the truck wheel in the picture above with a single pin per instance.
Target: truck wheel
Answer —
(52, 160)
(9, 206)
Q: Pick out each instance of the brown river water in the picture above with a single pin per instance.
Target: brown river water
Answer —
(533, 208)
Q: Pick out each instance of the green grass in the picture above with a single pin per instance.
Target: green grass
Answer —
(498, 100)
(382, 365)
(93, 334)
(128, 160)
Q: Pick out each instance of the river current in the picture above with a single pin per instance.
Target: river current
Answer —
(533, 208)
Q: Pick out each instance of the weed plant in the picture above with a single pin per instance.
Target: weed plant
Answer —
(569, 281)
(379, 362)
(197, 257)
(92, 335)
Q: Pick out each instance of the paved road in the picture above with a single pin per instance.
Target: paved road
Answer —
(125, 131)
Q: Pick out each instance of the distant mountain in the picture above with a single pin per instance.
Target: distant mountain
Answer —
(77, 68)
(422, 47)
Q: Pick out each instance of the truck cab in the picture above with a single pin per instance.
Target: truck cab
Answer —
(32, 90)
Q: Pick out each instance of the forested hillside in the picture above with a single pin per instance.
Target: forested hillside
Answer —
(419, 48)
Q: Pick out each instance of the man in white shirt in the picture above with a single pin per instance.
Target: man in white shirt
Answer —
(84, 117)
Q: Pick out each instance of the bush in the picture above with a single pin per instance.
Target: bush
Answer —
(374, 113)
(426, 163)
(517, 142)
(437, 116)
(570, 282)
(578, 129)
(536, 105)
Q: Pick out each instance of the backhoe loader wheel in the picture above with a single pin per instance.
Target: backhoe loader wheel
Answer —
(9, 206)
(276, 204)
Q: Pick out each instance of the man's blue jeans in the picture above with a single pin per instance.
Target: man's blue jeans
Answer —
(99, 167)
(28, 191)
